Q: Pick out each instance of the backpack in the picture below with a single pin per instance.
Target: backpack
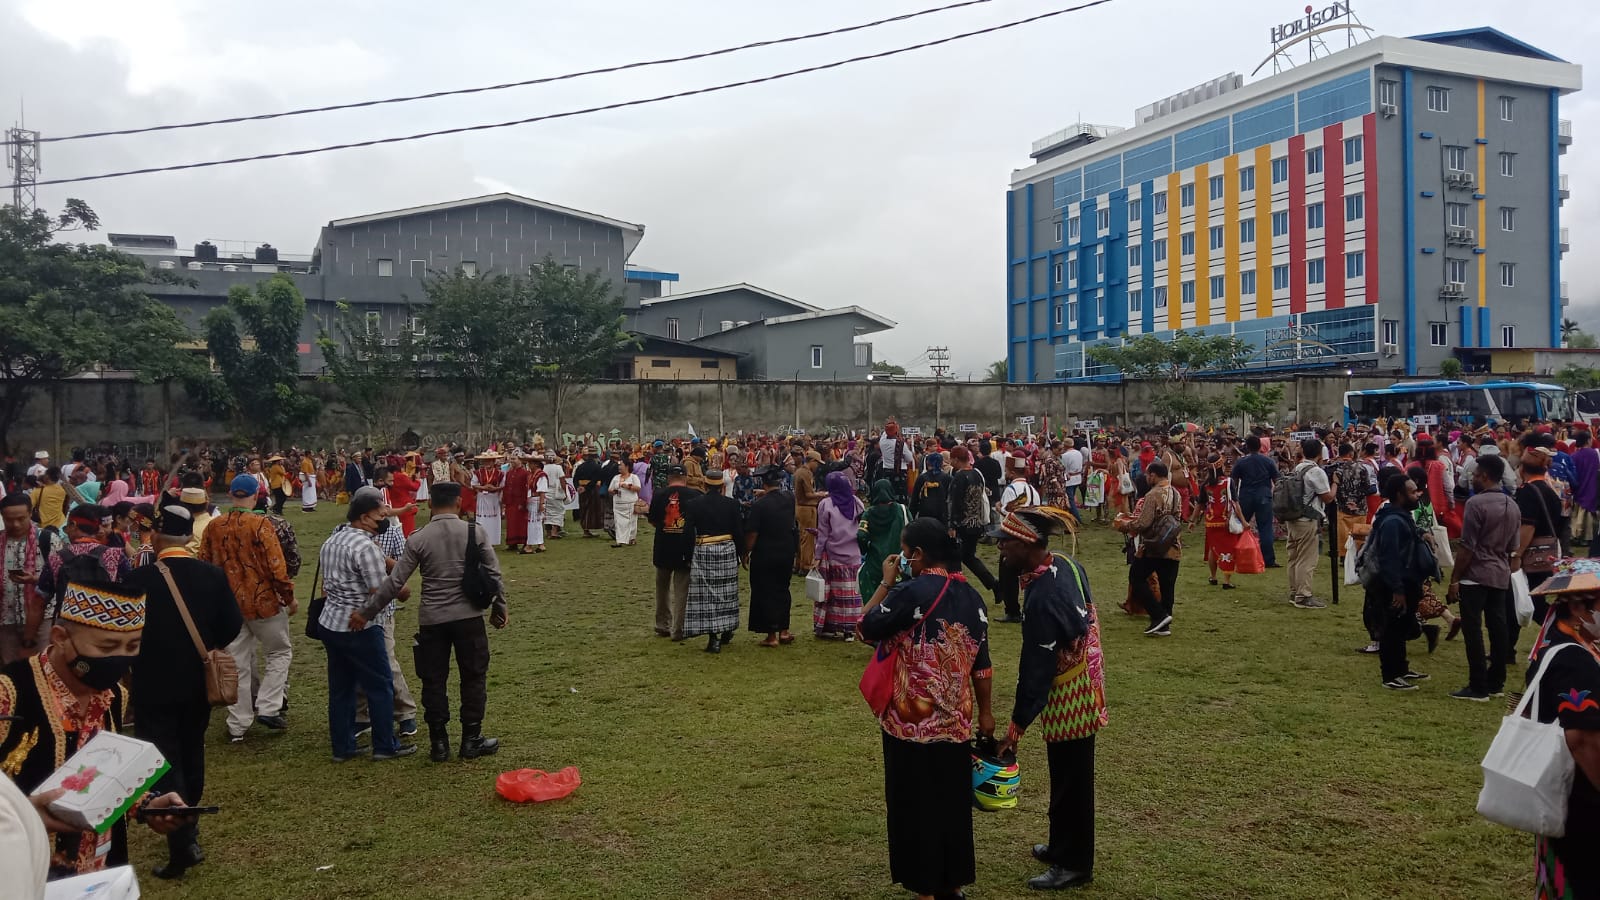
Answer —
(1289, 497)
(1164, 530)
(1367, 571)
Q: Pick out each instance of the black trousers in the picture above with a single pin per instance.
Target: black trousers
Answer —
(179, 731)
(1486, 608)
(1072, 803)
(1007, 588)
(969, 557)
(1166, 572)
(470, 642)
(280, 496)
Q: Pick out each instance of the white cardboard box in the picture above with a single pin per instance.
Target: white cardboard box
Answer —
(103, 780)
(112, 884)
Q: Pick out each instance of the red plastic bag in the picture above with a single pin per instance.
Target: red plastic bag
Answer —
(1247, 554)
(536, 785)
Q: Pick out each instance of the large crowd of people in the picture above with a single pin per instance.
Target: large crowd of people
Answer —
(113, 566)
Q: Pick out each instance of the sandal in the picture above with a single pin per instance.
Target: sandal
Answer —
(1228, 586)
(786, 638)
(769, 642)
(1213, 581)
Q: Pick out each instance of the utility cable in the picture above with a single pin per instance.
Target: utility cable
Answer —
(361, 104)
(623, 104)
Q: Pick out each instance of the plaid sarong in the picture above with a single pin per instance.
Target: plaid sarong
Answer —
(713, 606)
(840, 612)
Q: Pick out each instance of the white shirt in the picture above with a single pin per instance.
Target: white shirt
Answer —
(1072, 461)
(625, 488)
(886, 446)
(555, 478)
(37, 470)
(1316, 484)
(1018, 489)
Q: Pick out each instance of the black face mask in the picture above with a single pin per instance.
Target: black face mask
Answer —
(100, 672)
(383, 525)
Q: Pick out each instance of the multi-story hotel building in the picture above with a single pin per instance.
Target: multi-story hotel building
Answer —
(1384, 206)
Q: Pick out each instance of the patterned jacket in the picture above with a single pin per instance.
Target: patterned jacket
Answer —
(1061, 677)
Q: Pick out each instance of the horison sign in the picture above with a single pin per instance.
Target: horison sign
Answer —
(1313, 19)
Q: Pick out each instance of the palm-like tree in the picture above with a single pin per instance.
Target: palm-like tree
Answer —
(997, 372)
(1569, 328)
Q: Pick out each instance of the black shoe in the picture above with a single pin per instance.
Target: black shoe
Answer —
(713, 645)
(276, 723)
(438, 745)
(1274, 565)
(196, 855)
(1012, 619)
(171, 871)
(1158, 626)
(474, 744)
(182, 862)
(1431, 632)
(1412, 675)
(1399, 684)
(1467, 693)
(727, 637)
(400, 752)
(1041, 852)
(1059, 879)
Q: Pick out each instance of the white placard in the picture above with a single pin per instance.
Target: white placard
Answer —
(912, 431)
(1086, 425)
(1025, 420)
(1426, 419)
(1303, 435)
(969, 428)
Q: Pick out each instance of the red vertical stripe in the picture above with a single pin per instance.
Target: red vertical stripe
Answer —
(1297, 224)
(1333, 213)
(1369, 162)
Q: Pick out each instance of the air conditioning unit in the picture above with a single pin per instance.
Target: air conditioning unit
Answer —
(1462, 236)
(1453, 290)
(391, 342)
(1462, 180)
(230, 268)
(166, 264)
(194, 266)
(1389, 110)
(1391, 349)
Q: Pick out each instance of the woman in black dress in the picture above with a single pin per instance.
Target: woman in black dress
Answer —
(939, 630)
(772, 540)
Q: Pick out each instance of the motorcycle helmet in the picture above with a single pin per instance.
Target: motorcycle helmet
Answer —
(995, 780)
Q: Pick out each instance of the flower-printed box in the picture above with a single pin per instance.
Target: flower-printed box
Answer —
(103, 780)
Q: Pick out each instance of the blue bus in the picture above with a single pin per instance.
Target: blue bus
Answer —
(1458, 401)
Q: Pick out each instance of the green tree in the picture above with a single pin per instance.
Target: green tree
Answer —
(255, 344)
(378, 377)
(1450, 367)
(1173, 365)
(1574, 377)
(998, 372)
(1581, 340)
(66, 309)
(481, 335)
(580, 331)
(887, 368)
(1569, 327)
(1256, 404)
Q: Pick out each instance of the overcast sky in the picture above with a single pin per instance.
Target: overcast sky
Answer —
(880, 184)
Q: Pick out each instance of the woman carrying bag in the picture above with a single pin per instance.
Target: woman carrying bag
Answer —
(932, 664)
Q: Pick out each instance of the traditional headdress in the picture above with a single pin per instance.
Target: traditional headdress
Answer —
(103, 605)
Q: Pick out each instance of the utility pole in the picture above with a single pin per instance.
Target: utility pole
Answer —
(23, 161)
(939, 360)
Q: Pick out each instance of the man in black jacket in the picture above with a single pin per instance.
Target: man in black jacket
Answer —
(169, 679)
(967, 516)
(1390, 611)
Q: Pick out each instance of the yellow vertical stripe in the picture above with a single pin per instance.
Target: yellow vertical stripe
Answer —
(1264, 231)
(1202, 244)
(1483, 205)
(1174, 251)
(1230, 236)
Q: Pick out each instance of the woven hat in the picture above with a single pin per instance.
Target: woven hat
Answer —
(103, 605)
(192, 495)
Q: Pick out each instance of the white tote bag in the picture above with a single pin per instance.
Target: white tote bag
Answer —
(1527, 773)
(1350, 576)
(1523, 596)
(1441, 547)
(816, 587)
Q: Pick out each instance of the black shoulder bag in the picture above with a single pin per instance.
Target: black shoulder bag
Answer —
(315, 605)
(475, 582)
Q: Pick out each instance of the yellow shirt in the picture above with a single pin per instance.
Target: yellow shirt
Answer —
(51, 502)
(201, 520)
(276, 476)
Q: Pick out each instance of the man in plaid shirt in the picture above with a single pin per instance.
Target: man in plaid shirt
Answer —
(392, 542)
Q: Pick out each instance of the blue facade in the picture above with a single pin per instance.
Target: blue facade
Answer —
(1555, 218)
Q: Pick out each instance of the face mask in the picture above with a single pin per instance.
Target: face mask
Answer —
(905, 567)
(1591, 626)
(100, 672)
(383, 525)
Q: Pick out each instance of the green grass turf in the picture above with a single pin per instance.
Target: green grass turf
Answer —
(1252, 754)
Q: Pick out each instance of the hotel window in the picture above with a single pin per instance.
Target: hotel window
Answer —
(1314, 215)
(1314, 161)
(1508, 335)
(1219, 286)
(1072, 267)
(1186, 196)
(374, 320)
(1216, 237)
(1158, 250)
(1099, 304)
(419, 328)
(1160, 203)
(1247, 282)
(1280, 278)
(1280, 170)
(1355, 207)
(1455, 271)
(1505, 109)
(712, 364)
(1280, 224)
(1215, 186)
(672, 329)
(1508, 164)
(1455, 215)
(660, 363)
(385, 268)
(1135, 256)
(1438, 99)
(1060, 314)
(1455, 159)
(1059, 273)
(1316, 271)
(1058, 232)
(1508, 274)
(816, 356)
(1387, 91)
(1438, 333)
(1247, 231)
(1135, 209)
(1072, 228)
(1188, 243)
(1247, 178)
(1508, 218)
(1161, 298)
(1135, 301)
(1102, 220)
(1391, 331)
(1099, 263)
(1352, 151)
(1355, 264)
(1188, 293)
(863, 357)
(1072, 312)
(469, 268)
(419, 268)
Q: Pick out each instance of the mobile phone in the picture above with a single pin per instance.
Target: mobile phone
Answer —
(16, 573)
(181, 811)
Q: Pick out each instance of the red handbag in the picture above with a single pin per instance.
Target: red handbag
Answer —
(877, 682)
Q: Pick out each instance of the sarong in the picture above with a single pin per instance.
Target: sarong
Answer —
(840, 611)
(713, 606)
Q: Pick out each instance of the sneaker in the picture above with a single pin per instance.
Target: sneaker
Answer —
(1497, 693)
(1164, 632)
(1399, 684)
(1467, 693)
(400, 752)
(1370, 648)
(276, 723)
(408, 728)
(1159, 626)
(235, 738)
(1414, 676)
(1308, 603)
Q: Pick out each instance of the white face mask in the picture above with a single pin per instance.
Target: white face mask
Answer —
(1591, 626)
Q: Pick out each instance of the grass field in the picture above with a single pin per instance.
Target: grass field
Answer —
(1252, 754)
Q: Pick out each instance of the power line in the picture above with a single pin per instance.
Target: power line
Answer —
(231, 120)
(587, 110)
